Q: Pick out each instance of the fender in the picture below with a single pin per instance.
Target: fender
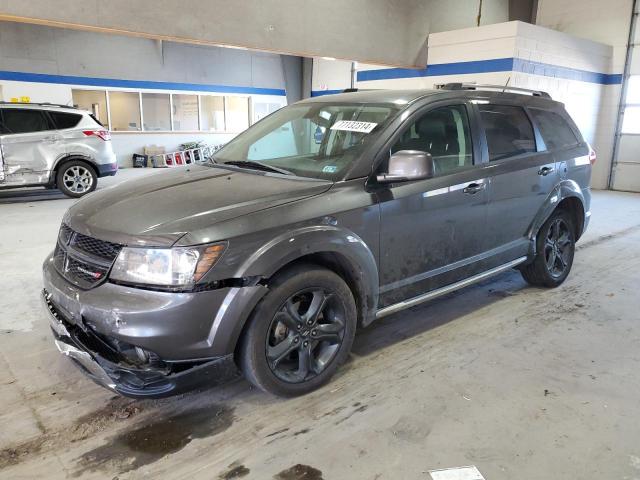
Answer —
(349, 247)
(565, 189)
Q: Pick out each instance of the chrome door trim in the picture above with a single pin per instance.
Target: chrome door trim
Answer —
(396, 307)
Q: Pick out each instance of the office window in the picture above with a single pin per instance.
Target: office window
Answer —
(94, 101)
(261, 110)
(156, 111)
(125, 111)
(212, 111)
(237, 113)
(17, 120)
(185, 112)
(508, 129)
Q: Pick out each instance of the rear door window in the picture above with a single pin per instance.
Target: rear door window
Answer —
(22, 120)
(555, 130)
(508, 129)
(64, 120)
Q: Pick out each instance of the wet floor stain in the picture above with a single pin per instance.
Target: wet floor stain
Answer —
(299, 472)
(147, 443)
(235, 470)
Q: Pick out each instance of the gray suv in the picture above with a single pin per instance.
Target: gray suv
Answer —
(319, 219)
(53, 146)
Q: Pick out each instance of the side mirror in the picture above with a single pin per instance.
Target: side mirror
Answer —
(407, 165)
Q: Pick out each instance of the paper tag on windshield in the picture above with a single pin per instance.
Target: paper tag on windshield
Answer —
(351, 126)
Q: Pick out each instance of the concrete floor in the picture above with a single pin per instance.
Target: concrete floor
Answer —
(524, 383)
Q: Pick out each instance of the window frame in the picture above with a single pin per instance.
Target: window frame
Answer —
(477, 158)
(540, 146)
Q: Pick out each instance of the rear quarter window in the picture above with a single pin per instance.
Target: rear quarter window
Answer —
(554, 128)
(508, 129)
(63, 120)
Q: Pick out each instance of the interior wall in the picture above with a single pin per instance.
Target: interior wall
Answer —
(572, 70)
(45, 64)
(348, 30)
(606, 22)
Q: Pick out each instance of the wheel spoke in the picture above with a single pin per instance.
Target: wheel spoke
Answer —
(556, 230)
(551, 261)
(278, 352)
(304, 363)
(292, 310)
(284, 317)
(318, 301)
(329, 331)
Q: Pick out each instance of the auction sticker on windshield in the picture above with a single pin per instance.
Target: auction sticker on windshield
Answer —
(351, 126)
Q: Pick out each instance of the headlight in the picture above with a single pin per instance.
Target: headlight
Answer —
(170, 267)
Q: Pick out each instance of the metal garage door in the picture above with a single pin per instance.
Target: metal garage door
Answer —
(626, 171)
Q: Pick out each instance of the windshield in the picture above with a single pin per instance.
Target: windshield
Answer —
(318, 140)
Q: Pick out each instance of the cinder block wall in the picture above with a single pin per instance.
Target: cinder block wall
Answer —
(578, 72)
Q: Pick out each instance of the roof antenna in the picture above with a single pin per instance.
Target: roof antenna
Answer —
(506, 84)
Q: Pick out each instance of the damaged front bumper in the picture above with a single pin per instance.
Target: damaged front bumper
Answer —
(127, 379)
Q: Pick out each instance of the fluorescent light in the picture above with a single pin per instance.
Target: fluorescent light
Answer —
(328, 58)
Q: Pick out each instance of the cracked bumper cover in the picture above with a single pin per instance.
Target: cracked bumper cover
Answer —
(193, 334)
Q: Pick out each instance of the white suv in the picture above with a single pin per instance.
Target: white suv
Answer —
(53, 146)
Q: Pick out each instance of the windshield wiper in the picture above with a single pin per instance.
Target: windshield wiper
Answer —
(257, 166)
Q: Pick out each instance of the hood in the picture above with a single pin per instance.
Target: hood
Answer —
(159, 209)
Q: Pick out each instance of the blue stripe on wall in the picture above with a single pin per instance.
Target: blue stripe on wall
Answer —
(136, 84)
(547, 70)
(492, 65)
(437, 69)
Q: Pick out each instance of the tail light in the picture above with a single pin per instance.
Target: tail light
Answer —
(101, 134)
(592, 155)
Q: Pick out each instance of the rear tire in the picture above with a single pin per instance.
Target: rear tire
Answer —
(76, 178)
(299, 333)
(555, 248)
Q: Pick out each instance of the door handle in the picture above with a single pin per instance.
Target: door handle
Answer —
(473, 188)
(51, 138)
(544, 171)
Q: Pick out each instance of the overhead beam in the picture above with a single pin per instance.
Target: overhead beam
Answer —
(386, 32)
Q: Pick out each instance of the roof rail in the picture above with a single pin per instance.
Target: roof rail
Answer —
(502, 88)
(42, 104)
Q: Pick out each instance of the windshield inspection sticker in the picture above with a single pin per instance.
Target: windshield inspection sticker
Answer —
(350, 126)
(330, 169)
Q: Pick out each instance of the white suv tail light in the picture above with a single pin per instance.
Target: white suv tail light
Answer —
(102, 134)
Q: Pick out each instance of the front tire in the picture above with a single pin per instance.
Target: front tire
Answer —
(555, 248)
(76, 178)
(299, 333)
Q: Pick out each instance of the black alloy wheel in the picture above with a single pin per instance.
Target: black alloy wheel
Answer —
(555, 248)
(305, 335)
(299, 333)
(558, 247)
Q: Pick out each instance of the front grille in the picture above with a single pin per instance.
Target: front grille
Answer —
(84, 261)
(93, 246)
